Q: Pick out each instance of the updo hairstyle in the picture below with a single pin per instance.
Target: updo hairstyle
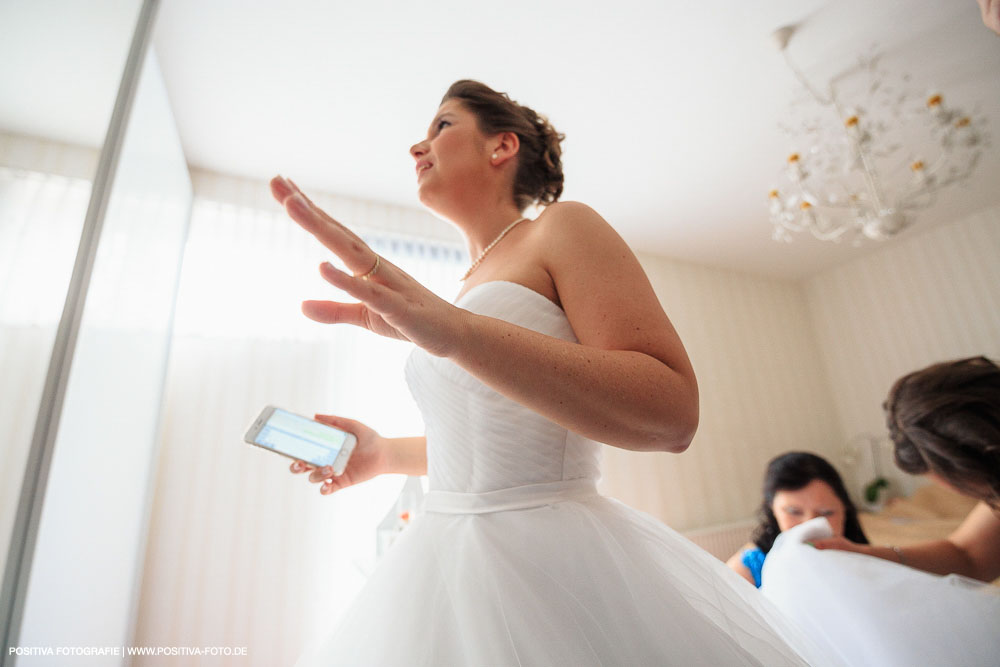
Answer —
(539, 176)
(945, 419)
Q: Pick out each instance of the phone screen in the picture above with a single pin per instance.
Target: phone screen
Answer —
(301, 438)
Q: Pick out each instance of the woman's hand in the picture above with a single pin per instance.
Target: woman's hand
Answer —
(990, 9)
(368, 460)
(391, 304)
(841, 544)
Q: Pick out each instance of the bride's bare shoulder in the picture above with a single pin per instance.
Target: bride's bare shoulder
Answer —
(571, 219)
(567, 209)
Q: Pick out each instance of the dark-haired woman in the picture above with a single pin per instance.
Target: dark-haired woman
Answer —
(798, 486)
(556, 342)
(944, 421)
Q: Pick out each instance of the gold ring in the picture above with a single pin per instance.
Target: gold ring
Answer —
(373, 270)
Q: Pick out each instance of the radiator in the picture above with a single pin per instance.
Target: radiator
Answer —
(722, 541)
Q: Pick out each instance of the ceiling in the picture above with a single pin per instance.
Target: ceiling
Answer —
(670, 108)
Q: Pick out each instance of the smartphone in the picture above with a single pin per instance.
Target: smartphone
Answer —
(302, 439)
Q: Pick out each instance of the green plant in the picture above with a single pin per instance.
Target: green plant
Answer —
(874, 487)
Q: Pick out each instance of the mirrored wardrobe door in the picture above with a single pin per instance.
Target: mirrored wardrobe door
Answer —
(79, 529)
(62, 66)
(86, 569)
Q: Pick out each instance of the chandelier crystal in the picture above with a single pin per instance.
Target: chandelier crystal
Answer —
(866, 166)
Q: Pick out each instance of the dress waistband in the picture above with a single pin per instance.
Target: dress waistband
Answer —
(513, 498)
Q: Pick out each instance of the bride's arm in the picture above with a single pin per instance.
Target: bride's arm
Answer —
(629, 382)
(406, 456)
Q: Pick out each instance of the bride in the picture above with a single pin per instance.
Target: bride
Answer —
(555, 343)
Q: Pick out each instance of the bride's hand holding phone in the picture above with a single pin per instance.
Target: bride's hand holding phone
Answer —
(368, 460)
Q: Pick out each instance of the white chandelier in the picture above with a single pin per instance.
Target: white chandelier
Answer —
(887, 155)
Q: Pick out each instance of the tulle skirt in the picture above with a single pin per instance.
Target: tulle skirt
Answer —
(554, 574)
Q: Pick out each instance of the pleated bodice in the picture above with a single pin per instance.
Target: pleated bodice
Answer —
(479, 440)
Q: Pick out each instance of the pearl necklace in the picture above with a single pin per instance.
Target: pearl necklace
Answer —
(486, 250)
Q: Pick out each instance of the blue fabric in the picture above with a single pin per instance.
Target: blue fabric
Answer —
(754, 561)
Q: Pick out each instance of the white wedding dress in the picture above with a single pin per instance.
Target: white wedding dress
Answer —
(518, 561)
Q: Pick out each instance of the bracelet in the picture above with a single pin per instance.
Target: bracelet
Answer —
(899, 554)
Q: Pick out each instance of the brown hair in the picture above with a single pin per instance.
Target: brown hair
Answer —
(945, 419)
(539, 176)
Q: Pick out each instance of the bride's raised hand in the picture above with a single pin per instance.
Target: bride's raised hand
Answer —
(392, 303)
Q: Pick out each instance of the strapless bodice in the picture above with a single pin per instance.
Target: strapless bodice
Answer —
(479, 440)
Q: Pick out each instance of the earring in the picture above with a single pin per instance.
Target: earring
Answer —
(495, 156)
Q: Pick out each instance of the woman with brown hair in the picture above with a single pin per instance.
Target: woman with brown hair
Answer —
(798, 487)
(555, 343)
(944, 422)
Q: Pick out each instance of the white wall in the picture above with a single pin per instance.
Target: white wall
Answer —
(806, 365)
(763, 392)
(930, 298)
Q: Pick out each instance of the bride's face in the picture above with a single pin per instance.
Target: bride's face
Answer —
(453, 159)
(814, 499)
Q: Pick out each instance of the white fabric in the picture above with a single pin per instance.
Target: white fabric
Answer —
(517, 559)
(871, 611)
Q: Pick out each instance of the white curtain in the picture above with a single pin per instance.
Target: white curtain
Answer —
(241, 552)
